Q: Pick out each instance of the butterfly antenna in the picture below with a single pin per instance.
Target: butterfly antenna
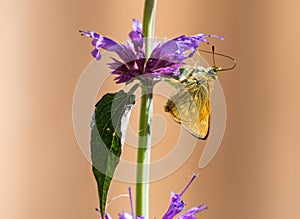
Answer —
(219, 54)
(213, 56)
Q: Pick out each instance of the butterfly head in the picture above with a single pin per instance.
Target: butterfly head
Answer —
(213, 71)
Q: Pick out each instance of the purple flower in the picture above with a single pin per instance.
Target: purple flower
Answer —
(125, 215)
(165, 59)
(177, 205)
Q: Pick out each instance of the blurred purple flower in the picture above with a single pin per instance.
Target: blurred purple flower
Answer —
(176, 206)
(107, 216)
(125, 215)
(165, 58)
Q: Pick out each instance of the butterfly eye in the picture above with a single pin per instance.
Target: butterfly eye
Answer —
(212, 71)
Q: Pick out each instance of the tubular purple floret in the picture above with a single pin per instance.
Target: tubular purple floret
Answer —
(91, 34)
(191, 212)
(130, 200)
(189, 183)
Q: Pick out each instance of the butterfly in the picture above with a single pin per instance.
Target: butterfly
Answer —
(190, 104)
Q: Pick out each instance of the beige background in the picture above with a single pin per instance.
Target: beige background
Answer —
(43, 173)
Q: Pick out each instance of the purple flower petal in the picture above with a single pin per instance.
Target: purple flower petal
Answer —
(136, 33)
(96, 53)
(176, 206)
(190, 213)
(125, 215)
(101, 42)
(136, 25)
(138, 39)
(130, 201)
(191, 43)
(107, 216)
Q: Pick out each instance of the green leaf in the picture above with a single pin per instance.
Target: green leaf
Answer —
(109, 125)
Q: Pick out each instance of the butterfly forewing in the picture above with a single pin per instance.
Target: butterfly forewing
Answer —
(190, 105)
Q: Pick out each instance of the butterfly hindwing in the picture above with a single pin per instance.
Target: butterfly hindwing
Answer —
(181, 104)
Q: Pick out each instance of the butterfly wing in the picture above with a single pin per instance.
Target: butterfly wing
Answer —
(190, 106)
(181, 104)
(200, 126)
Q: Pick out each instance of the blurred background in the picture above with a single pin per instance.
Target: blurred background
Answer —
(44, 174)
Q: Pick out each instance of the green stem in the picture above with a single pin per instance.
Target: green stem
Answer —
(149, 23)
(144, 144)
(144, 152)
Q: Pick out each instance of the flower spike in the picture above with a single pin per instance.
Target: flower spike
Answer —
(165, 59)
(177, 205)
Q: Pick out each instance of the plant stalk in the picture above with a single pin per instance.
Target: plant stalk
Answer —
(149, 23)
(144, 152)
(144, 143)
